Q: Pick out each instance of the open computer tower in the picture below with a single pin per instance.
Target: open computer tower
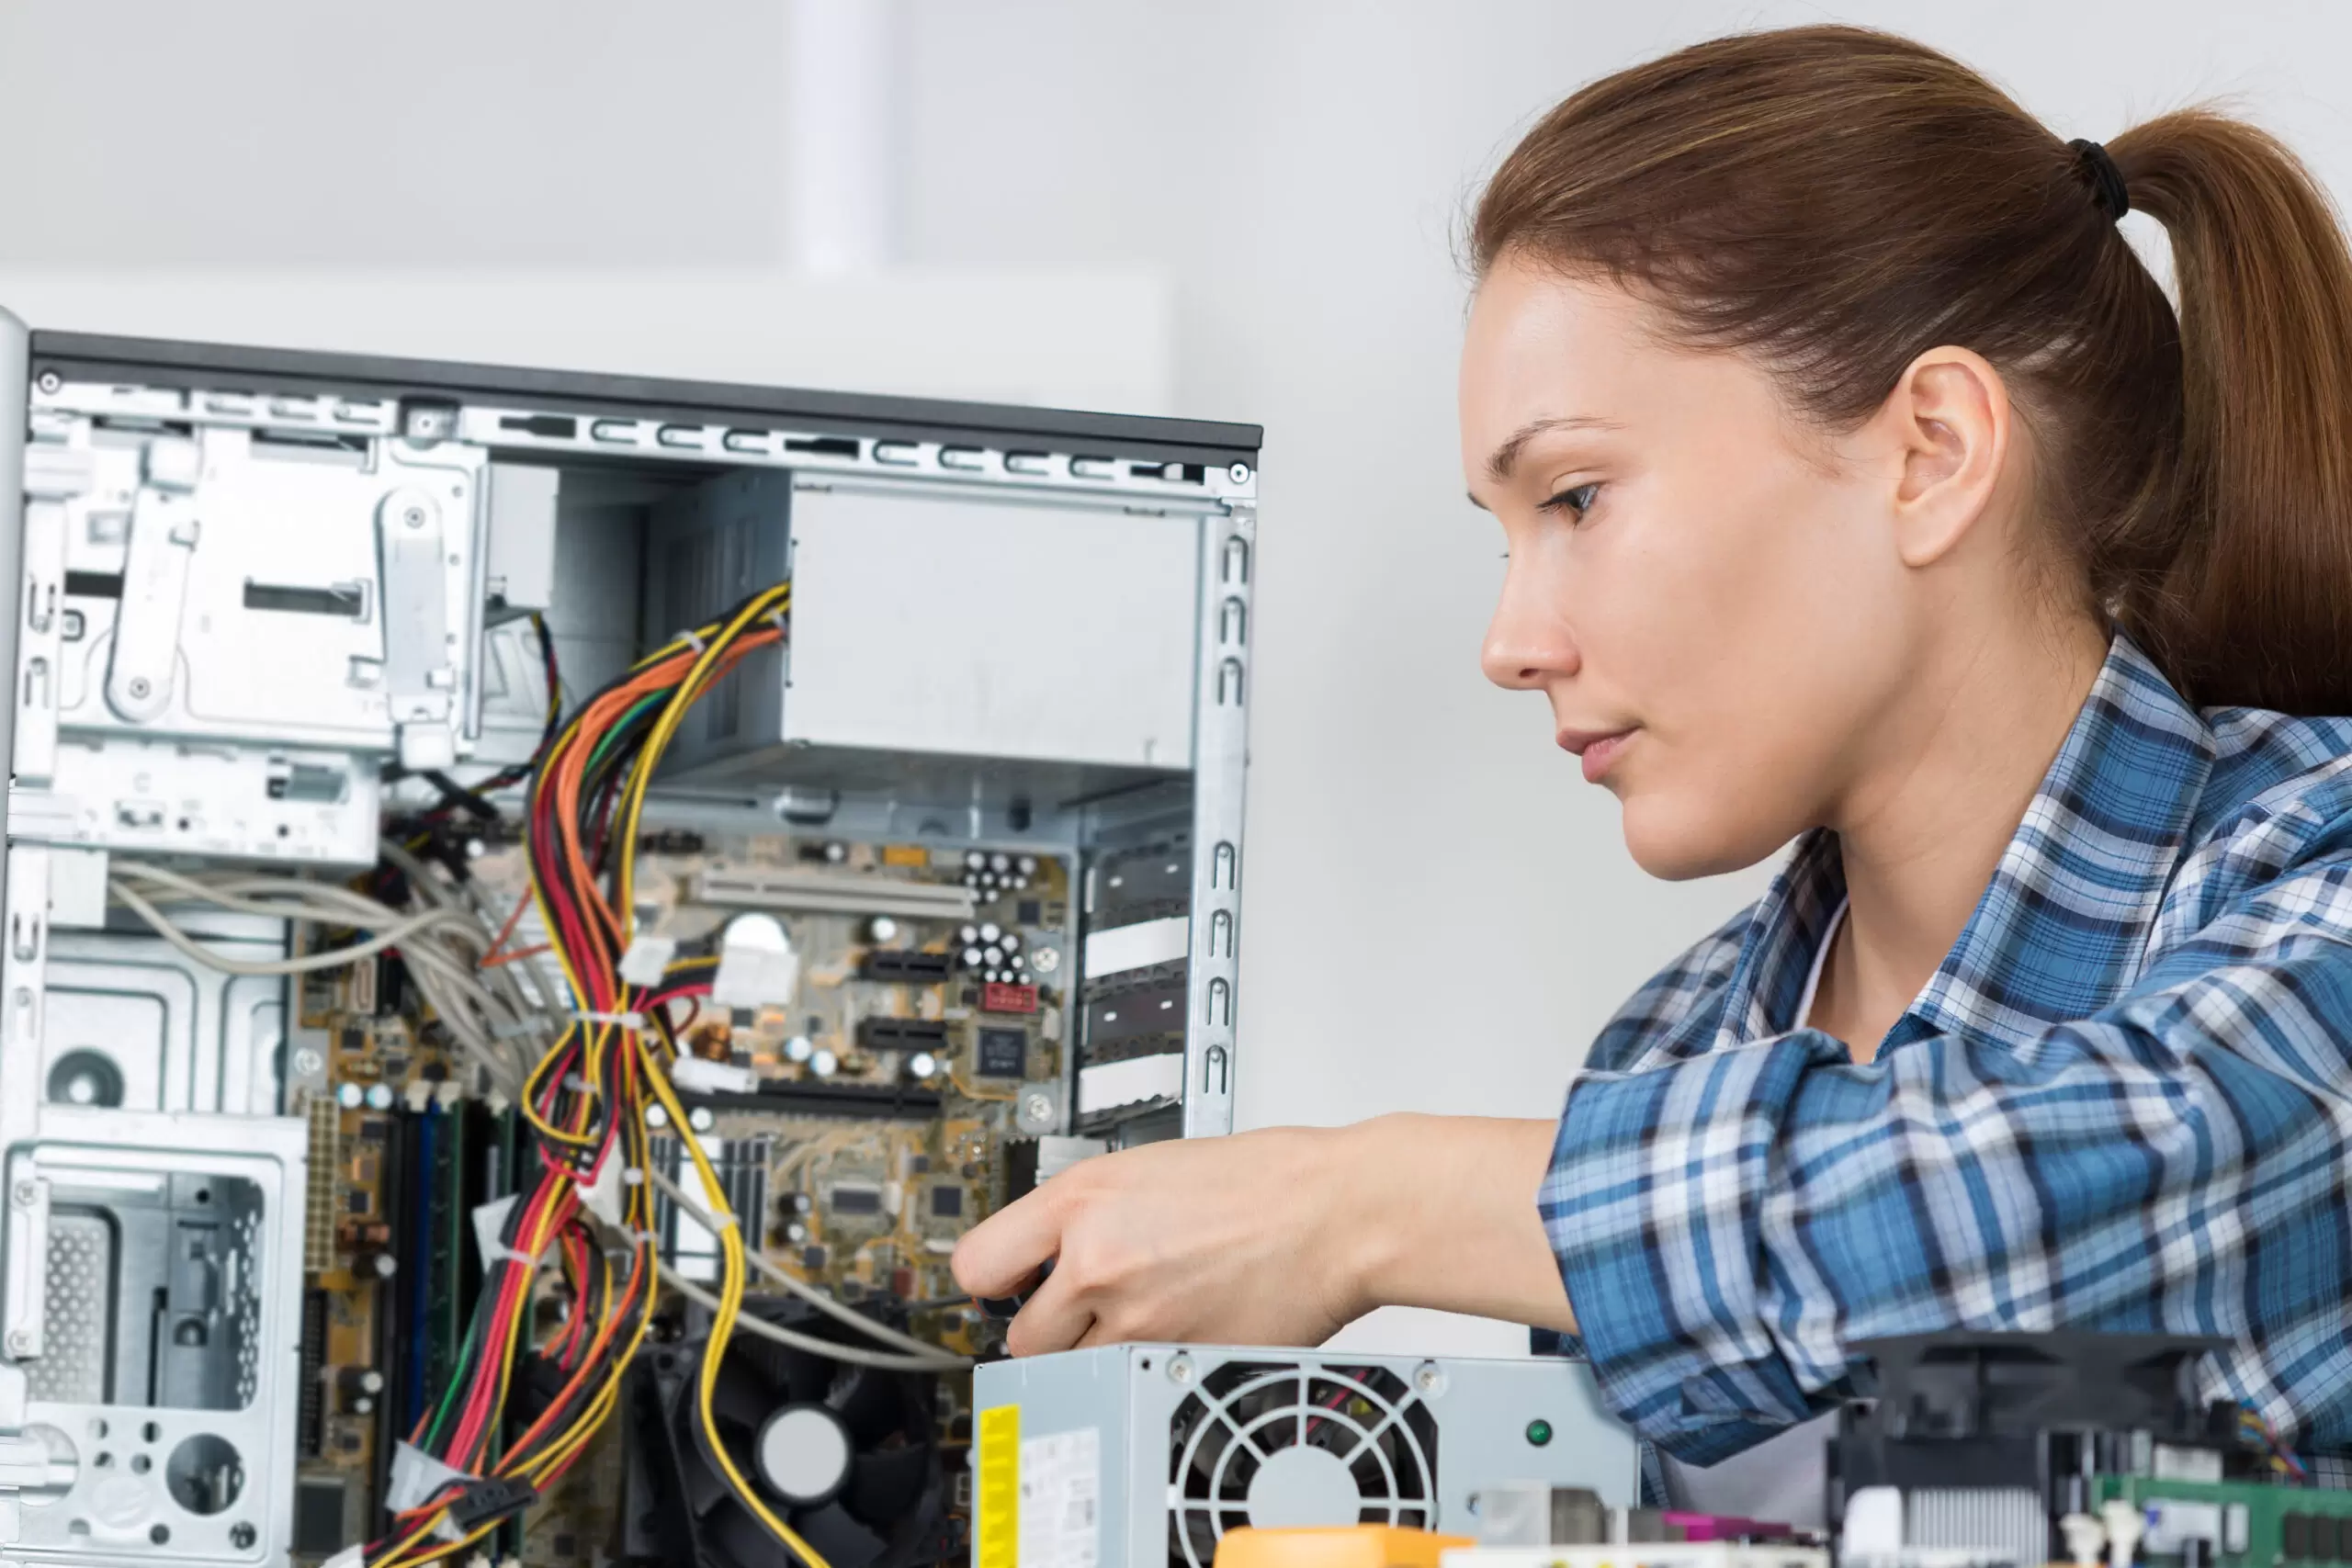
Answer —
(965, 827)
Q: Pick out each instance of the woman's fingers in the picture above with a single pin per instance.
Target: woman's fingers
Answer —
(1056, 1318)
(1001, 1255)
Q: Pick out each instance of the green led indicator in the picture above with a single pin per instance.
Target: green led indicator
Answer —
(1539, 1431)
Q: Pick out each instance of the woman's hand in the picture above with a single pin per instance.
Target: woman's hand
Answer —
(1277, 1237)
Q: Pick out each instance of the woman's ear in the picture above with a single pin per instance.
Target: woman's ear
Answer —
(1950, 417)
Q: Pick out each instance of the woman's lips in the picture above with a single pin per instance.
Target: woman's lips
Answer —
(1596, 748)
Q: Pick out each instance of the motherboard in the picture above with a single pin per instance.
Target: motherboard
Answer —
(865, 1104)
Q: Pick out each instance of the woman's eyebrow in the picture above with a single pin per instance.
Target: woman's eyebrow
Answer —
(1499, 464)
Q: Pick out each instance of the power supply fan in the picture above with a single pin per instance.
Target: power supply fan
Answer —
(1283, 1443)
(847, 1456)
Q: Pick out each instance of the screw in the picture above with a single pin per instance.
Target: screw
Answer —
(1046, 960)
(241, 1536)
(414, 517)
(139, 687)
(50, 381)
(1037, 1107)
(20, 1343)
(1429, 1378)
(1239, 473)
(1179, 1368)
(308, 1062)
(23, 1192)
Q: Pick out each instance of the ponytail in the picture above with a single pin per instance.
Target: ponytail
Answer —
(1838, 201)
(2256, 607)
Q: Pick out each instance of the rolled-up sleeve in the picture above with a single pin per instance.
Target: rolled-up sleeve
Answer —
(1728, 1223)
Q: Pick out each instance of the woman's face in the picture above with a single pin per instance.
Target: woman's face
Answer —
(1709, 593)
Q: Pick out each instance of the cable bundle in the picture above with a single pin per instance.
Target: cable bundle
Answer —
(587, 1101)
(587, 1098)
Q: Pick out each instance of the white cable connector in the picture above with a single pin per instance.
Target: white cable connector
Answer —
(2125, 1526)
(2086, 1539)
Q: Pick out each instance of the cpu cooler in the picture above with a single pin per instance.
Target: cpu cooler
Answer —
(847, 1456)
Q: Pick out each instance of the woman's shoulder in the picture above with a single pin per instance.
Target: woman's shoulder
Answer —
(2276, 811)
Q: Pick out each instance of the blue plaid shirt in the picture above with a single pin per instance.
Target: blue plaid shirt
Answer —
(2122, 1102)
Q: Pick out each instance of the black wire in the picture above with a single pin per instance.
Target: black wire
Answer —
(456, 796)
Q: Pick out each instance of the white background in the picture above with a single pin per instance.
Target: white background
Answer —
(1241, 210)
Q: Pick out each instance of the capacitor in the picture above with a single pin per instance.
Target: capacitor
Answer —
(350, 1095)
(1010, 942)
(974, 861)
(921, 1065)
(1020, 884)
(1000, 863)
(656, 1117)
(798, 1049)
(802, 1203)
(836, 852)
(823, 1064)
(967, 935)
(795, 1234)
(994, 976)
(881, 928)
(370, 1264)
(358, 1379)
(701, 1120)
(1026, 865)
(990, 931)
(972, 956)
(380, 1097)
(993, 958)
(971, 879)
(362, 1405)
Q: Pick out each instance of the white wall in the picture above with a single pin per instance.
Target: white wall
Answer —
(1440, 910)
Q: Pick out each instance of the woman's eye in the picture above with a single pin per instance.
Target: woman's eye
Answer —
(1577, 499)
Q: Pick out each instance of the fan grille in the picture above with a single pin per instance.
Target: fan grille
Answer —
(1246, 1412)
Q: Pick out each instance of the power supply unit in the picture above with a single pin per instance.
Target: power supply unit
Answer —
(1143, 1454)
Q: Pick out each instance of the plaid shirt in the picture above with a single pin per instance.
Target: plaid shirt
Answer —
(2122, 1102)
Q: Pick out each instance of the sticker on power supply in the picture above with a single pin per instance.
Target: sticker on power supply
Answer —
(1061, 1491)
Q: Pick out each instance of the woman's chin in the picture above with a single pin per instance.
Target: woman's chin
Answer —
(1676, 837)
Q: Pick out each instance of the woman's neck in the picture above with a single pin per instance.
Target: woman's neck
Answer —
(1926, 824)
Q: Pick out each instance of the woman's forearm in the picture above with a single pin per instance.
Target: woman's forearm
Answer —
(1278, 1236)
(1451, 1220)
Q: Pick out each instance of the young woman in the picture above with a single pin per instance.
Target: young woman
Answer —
(1863, 487)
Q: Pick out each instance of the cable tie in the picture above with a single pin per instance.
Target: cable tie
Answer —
(775, 617)
(625, 1020)
(694, 640)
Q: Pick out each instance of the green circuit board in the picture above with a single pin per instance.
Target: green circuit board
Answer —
(2251, 1524)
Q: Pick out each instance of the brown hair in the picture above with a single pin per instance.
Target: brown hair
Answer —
(1838, 201)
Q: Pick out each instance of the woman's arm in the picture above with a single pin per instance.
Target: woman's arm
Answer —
(1278, 1236)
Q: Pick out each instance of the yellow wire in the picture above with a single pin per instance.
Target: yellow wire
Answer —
(722, 1326)
(775, 601)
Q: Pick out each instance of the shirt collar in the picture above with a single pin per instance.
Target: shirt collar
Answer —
(2061, 929)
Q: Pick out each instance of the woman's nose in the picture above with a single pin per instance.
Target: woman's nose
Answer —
(1528, 643)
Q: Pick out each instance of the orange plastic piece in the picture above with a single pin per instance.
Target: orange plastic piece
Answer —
(905, 854)
(1360, 1546)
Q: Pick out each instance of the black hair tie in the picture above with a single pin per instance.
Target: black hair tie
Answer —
(2108, 189)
